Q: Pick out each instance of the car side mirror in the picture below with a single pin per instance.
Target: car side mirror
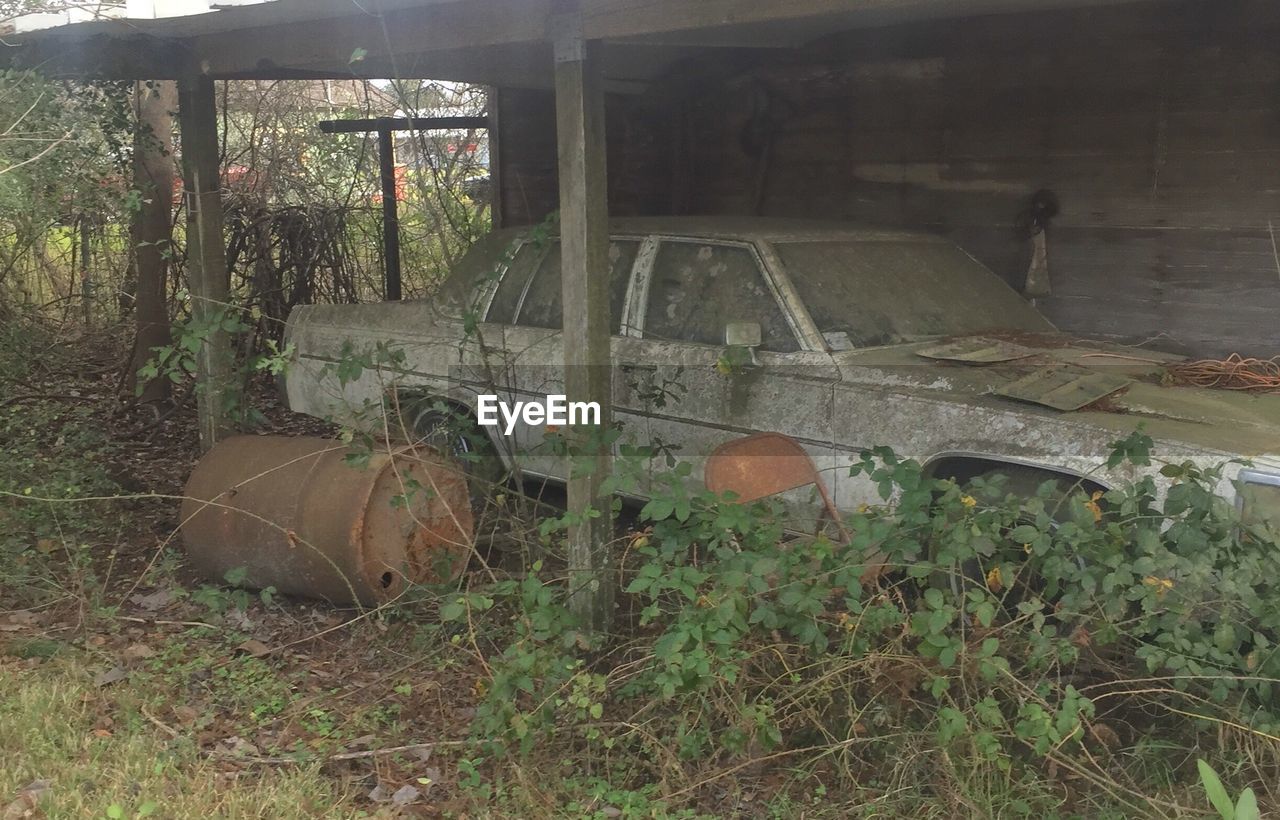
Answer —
(741, 340)
(743, 334)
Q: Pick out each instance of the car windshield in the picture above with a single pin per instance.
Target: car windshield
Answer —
(890, 292)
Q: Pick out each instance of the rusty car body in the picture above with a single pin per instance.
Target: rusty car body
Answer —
(867, 337)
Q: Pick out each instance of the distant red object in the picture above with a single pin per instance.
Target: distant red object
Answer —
(402, 181)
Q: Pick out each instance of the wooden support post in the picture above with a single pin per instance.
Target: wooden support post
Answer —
(386, 126)
(390, 211)
(584, 243)
(209, 279)
(86, 270)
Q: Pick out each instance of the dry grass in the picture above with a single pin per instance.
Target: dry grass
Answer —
(52, 729)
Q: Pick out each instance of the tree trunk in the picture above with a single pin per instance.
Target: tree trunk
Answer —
(153, 175)
(216, 397)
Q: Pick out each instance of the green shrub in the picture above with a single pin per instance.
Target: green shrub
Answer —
(1004, 634)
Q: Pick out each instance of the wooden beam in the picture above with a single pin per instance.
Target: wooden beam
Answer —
(401, 42)
(390, 213)
(584, 246)
(404, 124)
(388, 38)
(347, 42)
(208, 278)
(497, 208)
(386, 128)
(99, 56)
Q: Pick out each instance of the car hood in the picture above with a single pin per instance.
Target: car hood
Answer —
(1092, 382)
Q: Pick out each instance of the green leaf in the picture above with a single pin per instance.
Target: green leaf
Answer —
(453, 611)
(658, 509)
(1247, 808)
(1216, 792)
(1024, 534)
(947, 657)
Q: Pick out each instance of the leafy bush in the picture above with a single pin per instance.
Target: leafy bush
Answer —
(982, 631)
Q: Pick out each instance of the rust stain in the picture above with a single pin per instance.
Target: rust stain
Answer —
(309, 524)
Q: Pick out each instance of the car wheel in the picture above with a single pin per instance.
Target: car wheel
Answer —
(457, 435)
(975, 573)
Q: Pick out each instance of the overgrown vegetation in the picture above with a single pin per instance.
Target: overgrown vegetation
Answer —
(1064, 655)
(969, 651)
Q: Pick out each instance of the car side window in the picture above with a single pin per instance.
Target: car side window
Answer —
(541, 306)
(697, 288)
(515, 281)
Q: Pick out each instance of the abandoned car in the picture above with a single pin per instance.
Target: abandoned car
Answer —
(841, 338)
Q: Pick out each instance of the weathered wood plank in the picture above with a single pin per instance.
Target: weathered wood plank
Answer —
(584, 247)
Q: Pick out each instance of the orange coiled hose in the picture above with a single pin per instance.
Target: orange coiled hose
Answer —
(1232, 373)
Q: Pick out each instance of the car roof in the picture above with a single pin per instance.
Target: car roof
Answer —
(749, 228)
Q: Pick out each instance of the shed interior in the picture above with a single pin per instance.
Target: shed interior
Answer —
(1154, 124)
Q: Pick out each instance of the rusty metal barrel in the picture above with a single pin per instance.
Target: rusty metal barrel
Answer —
(297, 514)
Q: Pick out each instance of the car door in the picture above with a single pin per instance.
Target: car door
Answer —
(683, 300)
(533, 342)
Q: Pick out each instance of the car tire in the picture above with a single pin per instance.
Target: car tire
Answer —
(1019, 482)
(455, 434)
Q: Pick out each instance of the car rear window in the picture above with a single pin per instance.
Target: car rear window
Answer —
(514, 282)
(890, 292)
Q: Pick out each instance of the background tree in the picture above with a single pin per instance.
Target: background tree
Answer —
(152, 228)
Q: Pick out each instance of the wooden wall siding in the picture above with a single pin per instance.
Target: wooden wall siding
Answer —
(527, 174)
(528, 189)
(1158, 127)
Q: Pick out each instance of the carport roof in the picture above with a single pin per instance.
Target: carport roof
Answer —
(495, 42)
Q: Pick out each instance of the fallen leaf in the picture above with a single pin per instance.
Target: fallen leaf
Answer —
(154, 601)
(254, 647)
(135, 652)
(1105, 735)
(239, 746)
(406, 795)
(26, 804)
(21, 617)
(113, 675)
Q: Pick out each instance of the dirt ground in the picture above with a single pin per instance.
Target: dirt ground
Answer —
(373, 706)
